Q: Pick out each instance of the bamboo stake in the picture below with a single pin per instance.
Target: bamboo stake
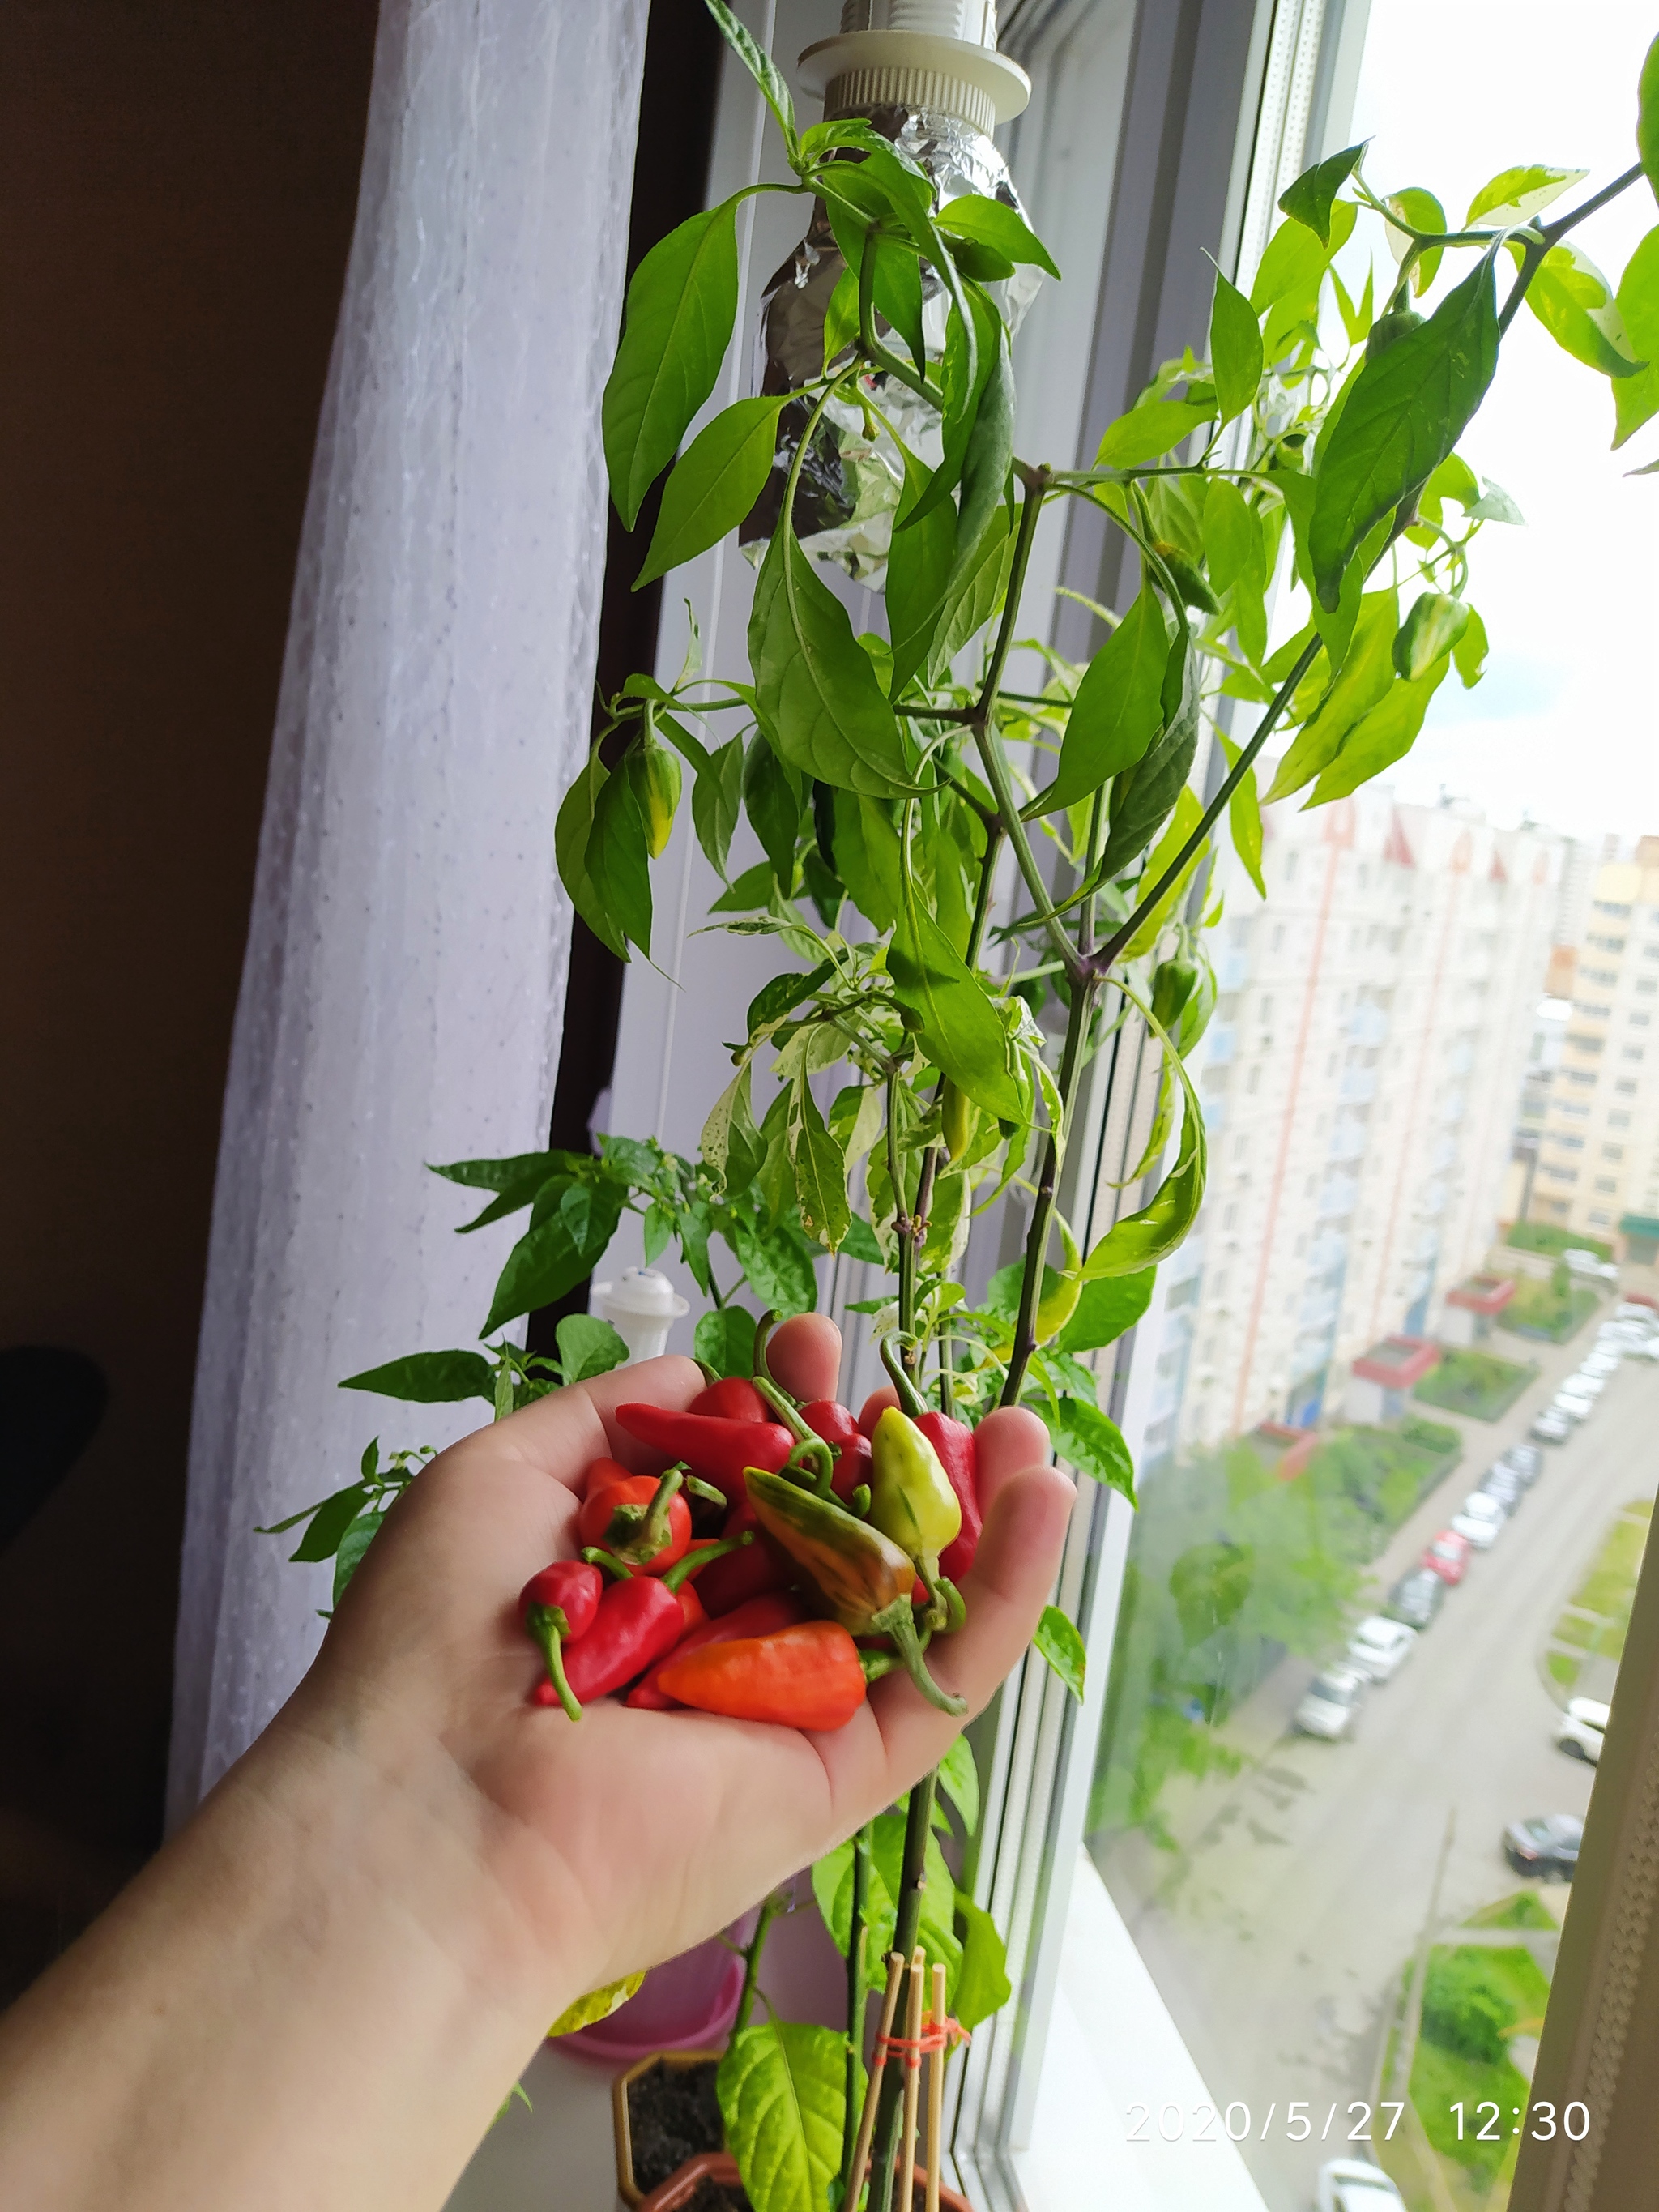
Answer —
(873, 2089)
(907, 2193)
(936, 2092)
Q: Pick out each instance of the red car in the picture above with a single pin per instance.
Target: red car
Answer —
(1448, 1557)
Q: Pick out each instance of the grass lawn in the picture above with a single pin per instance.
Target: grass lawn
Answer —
(1605, 1593)
(1523, 1909)
(1548, 1311)
(1541, 1237)
(1476, 1383)
(1442, 2079)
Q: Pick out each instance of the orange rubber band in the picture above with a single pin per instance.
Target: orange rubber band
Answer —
(913, 2048)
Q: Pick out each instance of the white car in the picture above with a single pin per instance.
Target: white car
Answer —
(1330, 1702)
(1352, 2185)
(1603, 1363)
(1582, 1728)
(1552, 1426)
(1644, 1316)
(1621, 1336)
(1573, 1404)
(1584, 1384)
(1647, 1349)
(1478, 1520)
(1377, 1646)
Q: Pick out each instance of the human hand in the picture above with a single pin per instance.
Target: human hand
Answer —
(624, 1839)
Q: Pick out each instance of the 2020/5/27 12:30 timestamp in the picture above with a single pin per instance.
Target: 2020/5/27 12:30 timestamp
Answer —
(1538, 2120)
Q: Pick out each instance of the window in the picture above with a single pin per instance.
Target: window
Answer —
(1647, 985)
(1605, 1183)
(1631, 1052)
(1618, 1121)
(1640, 1021)
(1601, 1220)
(1625, 1087)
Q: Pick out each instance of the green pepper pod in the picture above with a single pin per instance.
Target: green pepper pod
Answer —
(860, 1576)
(911, 1499)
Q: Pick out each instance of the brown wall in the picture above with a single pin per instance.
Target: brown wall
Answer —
(177, 181)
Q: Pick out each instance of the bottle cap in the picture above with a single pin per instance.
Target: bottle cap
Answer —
(640, 1306)
(933, 54)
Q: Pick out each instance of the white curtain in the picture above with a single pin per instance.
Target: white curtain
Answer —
(405, 973)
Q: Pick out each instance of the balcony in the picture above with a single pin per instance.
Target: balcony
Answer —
(1367, 1025)
(1453, 1111)
(1233, 971)
(1338, 1199)
(1358, 1086)
(1221, 1042)
(1328, 1251)
(1319, 1310)
(1185, 1261)
(1347, 1141)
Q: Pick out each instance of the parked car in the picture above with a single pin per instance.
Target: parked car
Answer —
(1552, 1426)
(1527, 1460)
(1584, 1384)
(1647, 1349)
(1448, 1556)
(1582, 1728)
(1330, 1703)
(1480, 1520)
(1351, 2185)
(1378, 1646)
(1416, 1598)
(1504, 1485)
(1573, 1404)
(1604, 1364)
(1622, 1337)
(1545, 1844)
(1643, 1316)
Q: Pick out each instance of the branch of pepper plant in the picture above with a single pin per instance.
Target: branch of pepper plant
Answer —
(1532, 256)
(751, 1958)
(913, 1880)
(889, 364)
(1077, 1017)
(855, 2004)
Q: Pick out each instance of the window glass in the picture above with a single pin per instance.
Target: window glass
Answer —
(1394, 1454)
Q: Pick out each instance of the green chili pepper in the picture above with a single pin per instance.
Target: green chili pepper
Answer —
(860, 1576)
(911, 1499)
(1387, 329)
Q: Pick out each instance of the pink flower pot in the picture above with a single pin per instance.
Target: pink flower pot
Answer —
(686, 2004)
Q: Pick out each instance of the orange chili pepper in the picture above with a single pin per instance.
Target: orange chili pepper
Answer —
(810, 1677)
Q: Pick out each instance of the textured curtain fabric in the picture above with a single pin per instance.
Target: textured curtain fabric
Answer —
(404, 971)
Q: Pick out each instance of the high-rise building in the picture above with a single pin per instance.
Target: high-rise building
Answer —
(1598, 1166)
(1361, 1080)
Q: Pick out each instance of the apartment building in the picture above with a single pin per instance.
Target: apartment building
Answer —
(1598, 1162)
(1361, 1078)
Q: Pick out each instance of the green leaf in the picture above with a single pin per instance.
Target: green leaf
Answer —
(1380, 737)
(1142, 1239)
(1404, 415)
(1149, 431)
(1118, 709)
(716, 797)
(1422, 211)
(974, 591)
(557, 1252)
(1058, 1642)
(775, 999)
(619, 859)
(429, 1378)
(1107, 1308)
(918, 566)
(329, 1523)
(588, 1346)
(896, 288)
(1142, 796)
(1647, 117)
(832, 1887)
(753, 888)
(988, 454)
(1517, 194)
(778, 1268)
(682, 303)
(959, 1029)
(984, 1987)
(513, 1172)
(776, 93)
(820, 1170)
(782, 2087)
(815, 687)
(573, 836)
(1309, 199)
(730, 1119)
(993, 223)
(958, 1777)
(773, 800)
(1363, 679)
(1292, 267)
(725, 1340)
(1574, 302)
(1429, 632)
(1244, 817)
(867, 858)
(1495, 505)
(714, 483)
(1184, 821)
(860, 1243)
(1236, 352)
(1090, 1441)
(352, 1545)
(1469, 653)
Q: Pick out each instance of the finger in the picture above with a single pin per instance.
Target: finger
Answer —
(1006, 1441)
(875, 1406)
(561, 1433)
(804, 1357)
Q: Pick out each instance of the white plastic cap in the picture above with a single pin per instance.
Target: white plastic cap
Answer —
(940, 54)
(641, 1305)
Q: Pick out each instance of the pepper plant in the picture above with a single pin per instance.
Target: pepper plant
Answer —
(971, 880)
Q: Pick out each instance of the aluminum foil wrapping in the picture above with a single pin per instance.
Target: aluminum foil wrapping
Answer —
(852, 476)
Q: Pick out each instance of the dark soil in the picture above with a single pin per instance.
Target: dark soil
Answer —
(712, 2196)
(672, 2114)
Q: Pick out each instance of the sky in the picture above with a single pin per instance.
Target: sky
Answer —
(1563, 728)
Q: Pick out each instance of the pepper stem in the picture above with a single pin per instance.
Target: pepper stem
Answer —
(910, 1398)
(549, 1625)
(597, 1556)
(683, 1570)
(898, 1621)
(643, 1543)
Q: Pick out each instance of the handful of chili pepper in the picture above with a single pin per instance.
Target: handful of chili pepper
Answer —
(827, 1536)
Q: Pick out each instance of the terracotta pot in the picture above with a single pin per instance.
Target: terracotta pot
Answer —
(681, 2185)
(627, 2188)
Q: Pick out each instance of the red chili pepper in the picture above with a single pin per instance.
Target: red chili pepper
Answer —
(759, 1616)
(692, 1607)
(646, 1523)
(559, 1604)
(602, 1473)
(639, 1622)
(713, 1446)
(954, 1443)
(852, 1447)
(809, 1677)
(731, 1400)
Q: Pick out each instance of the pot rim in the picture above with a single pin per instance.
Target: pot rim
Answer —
(627, 2188)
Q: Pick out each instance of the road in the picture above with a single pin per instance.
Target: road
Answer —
(1279, 1930)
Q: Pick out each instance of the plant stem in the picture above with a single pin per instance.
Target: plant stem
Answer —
(913, 1880)
(856, 2005)
(1042, 1214)
(1532, 254)
(751, 1958)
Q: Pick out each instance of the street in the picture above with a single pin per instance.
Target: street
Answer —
(1279, 1930)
